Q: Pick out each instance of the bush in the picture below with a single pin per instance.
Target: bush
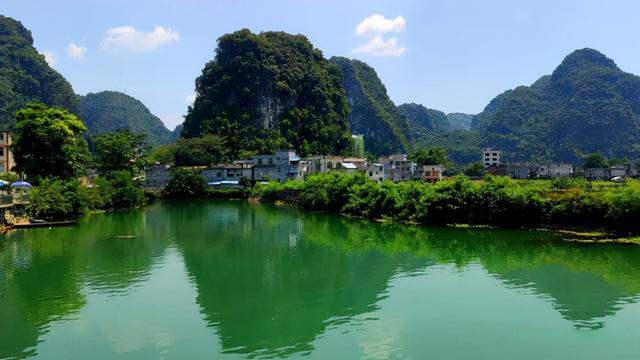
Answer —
(125, 192)
(57, 199)
(494, 200)
(186, 184)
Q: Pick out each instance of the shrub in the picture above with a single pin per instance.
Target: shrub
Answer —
(186, 184)
(57, 199)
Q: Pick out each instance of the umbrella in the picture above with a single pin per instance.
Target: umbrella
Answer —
(3, 183)
(21, 184)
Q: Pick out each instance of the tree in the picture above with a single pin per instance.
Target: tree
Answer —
(186, 184)
(431, 156)
(594, 160)
(268, 90)
(120, 150)
(163, 154)
(201, 151)
(48, 142)
(476, 169)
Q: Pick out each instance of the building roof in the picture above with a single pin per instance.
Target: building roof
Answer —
(224, 182)
(349, 166)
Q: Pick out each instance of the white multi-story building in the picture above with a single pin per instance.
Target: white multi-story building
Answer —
(490, 157)
(375, 172)
(281, 166)
(398, 167)
(555, 170)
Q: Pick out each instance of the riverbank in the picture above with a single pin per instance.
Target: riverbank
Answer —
(569, 204)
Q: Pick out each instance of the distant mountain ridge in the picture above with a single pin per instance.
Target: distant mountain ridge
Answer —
(372, 113)
(586, 105)
(25, 75)
(111, 110)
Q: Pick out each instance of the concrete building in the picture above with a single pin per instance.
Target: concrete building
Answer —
(490, 158)
(617, 171)
(157, 176)
(432, 173)
(229, 172)
(6, 158)
(375, 172)
(398, 167)
(281, 166)
(597, 174)
(554, 170)
(519, 171)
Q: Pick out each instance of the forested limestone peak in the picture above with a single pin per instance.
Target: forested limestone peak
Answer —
(269, 90)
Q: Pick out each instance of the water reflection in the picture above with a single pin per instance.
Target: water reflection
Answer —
(268, 290)
(270, 282)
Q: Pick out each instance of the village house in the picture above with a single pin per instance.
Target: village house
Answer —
(6, 158)
(398, 167)
(157, 176)
(554, 170)
(519, 171)
(491, 158)
(229, 174)
(375, 172)
(597, 174)
(617, 171)
(432, 173)
(281, 166)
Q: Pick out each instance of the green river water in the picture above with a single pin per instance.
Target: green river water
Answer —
(225, 279)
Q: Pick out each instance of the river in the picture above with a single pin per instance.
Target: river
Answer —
(226, 279)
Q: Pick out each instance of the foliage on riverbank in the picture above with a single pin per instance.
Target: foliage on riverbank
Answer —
(56, 199)
(496, 201)
(191, 184)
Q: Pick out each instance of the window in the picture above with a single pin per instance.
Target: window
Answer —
(1, 152)
(270, 161)
(329, 165)
(219, 173)
(259, 161)
(370, 173)
(2, 137)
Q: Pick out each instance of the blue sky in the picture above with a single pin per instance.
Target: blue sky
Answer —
(448, 55)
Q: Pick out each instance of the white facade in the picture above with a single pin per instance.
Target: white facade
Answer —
(555, 170)
(281, 166)
(398, 168)
(490, 157)
(375, 172)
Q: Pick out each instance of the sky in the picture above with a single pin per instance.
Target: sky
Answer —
(450, 55)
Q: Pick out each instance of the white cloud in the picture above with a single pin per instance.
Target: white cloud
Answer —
(379, 47)
(377, 24)
(49, 57)
(189, 100)
(76, 52)
(128, 38)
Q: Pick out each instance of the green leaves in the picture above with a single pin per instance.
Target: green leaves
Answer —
(25, 76)
(48, 142)
(120, 150)
(269, 90)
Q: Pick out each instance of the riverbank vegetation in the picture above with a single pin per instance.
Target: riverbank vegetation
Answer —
(51, 150)
(498, 201)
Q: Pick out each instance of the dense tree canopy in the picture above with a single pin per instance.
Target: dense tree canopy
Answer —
(120, 150)
(587, 105)
(431, 156)
(111, 110)
(25, 75)
(269, 90)
(594, 160)
(373, 114)
(201, 151)
(49, 142)
(423, 119)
